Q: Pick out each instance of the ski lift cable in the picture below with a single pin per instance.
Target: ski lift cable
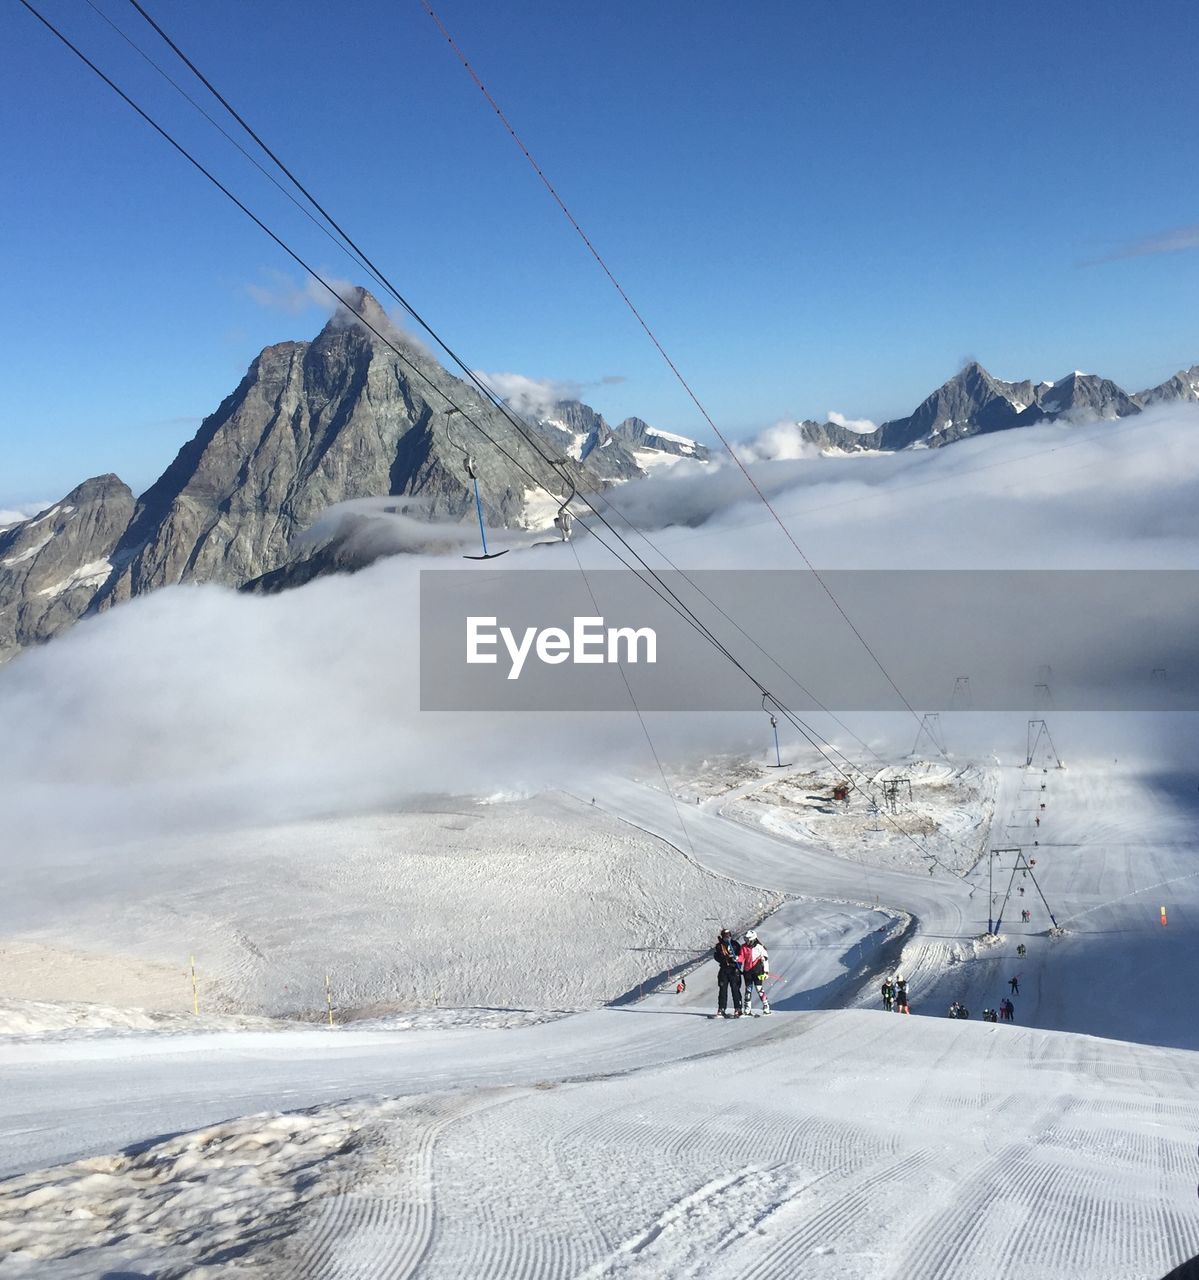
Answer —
(595, 253)
(345, 241)
(347, 244)
(216, 124)
(309, 270)
(789, 675)
(316, 276)
(640, 716)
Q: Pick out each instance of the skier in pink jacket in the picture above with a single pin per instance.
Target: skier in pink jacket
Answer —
(755, 968)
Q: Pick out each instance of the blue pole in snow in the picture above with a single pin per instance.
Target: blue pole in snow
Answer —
(479, 509)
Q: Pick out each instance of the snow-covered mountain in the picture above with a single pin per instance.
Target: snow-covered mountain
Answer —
(625, 452)
(974, 402)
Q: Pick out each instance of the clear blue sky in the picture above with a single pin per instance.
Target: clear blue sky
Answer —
(819, 207)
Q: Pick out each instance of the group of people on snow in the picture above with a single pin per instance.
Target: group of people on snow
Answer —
(742, 968)
(1006, 1011)
(895, 997)
(895, 994)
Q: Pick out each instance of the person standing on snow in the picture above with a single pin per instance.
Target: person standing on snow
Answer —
(888, 994)
(728, 974)
(901, 994)
(755, 967)
(1014, 983)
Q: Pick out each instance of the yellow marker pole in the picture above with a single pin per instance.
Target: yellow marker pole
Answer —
(329, 998)
(195, 989)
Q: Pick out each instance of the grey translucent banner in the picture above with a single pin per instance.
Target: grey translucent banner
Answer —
(555, 640)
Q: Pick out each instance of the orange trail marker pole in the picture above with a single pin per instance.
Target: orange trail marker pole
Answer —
(1163, 917)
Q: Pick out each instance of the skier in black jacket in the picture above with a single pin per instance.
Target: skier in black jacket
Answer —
(728, 975)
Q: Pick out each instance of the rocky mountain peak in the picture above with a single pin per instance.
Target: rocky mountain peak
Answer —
(363, 315)
(98, 489)
(315, 424)
(1184, 385)
(52, 565)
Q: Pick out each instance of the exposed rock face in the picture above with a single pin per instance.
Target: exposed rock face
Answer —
(52, 565)
(610, 453)
(1082, 396)
(832, 436)
(343, 417)
(973, 402)
(968, 404)
(1184, 385)
(313, 424)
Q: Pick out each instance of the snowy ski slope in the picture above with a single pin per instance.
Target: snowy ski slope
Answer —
(646, 1140)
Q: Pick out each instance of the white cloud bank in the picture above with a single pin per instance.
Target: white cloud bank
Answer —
(198, 706)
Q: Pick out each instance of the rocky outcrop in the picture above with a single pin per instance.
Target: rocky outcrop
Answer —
(311, 425)
(52, 565)
(1081, 397)
(973, 402)
(363, 412)
(611, 454)
(1184, 385)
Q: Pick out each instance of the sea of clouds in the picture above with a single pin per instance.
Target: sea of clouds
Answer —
(198, 707)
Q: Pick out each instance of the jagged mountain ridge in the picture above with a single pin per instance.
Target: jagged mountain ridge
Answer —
(974, 402)
(315, 424)
(311, 425)
(52, 565)
(623, 452)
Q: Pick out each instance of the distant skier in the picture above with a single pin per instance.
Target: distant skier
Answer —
(680, 986)
(989, 1015)
(755, 968)
(1008, 1010)
(901, 994)
(958, 1010)
(1022, 950)
(728, 974)
(888, 994)
(1014, 983)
